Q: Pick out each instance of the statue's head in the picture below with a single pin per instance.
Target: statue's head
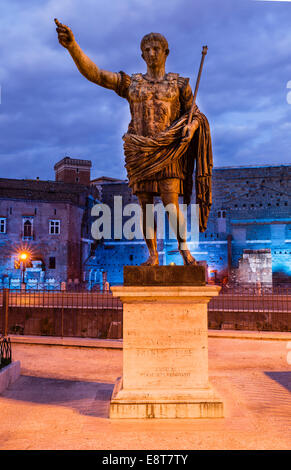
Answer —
(154, 47)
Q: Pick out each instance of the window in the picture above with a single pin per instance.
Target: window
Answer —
(54, 227)
(222, 214)
(27, 229)
(221, 222)
(52, 262)
(27, 225)
(2, 224)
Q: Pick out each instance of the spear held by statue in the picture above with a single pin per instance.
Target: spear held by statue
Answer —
(204, 52)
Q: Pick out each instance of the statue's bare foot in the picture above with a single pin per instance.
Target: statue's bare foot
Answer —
(187, 257)
(153, 260)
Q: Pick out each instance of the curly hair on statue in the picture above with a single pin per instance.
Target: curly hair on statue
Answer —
(154, 37)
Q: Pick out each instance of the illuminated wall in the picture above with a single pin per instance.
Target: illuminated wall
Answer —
(251, 210)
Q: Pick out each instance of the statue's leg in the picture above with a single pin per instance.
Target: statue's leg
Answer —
(178, 224)
(149, 232)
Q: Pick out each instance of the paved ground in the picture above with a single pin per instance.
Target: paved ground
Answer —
(61, 401)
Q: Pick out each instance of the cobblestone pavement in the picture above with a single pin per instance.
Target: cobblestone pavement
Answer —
(61, 401)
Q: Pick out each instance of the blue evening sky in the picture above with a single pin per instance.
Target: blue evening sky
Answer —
(49, 110)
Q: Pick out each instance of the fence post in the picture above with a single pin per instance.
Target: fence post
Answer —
(62, 318)
(5, 309)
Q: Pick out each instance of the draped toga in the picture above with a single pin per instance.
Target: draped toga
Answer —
(153, 144)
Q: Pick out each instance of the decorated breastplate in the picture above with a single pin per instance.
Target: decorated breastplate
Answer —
(154, 105)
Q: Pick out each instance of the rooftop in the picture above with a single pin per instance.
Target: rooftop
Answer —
(57, 191)
(72, 161)
(107, 179)
(251, 166)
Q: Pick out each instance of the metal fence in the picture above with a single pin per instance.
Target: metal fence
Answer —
(251, 309)
(5, 351)
(99, 314)
(81, 314)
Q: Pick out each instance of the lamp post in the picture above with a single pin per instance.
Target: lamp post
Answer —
(23, 258)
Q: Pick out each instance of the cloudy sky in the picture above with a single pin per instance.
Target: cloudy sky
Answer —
(49, 110)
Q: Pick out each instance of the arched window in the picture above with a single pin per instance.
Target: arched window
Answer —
(27, 228)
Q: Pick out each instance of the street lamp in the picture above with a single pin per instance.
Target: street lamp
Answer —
(23, 259)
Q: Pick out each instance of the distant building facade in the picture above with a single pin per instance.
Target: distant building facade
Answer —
(49, 220)
(250, 216)
(248, 237)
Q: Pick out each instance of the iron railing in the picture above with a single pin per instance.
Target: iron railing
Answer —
(100, 315)
(5, 351)
(251, 309)
(51, 313)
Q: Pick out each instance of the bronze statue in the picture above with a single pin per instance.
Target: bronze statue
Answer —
(164, 138)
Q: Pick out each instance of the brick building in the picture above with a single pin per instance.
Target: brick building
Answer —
(73, 170)
(49, 220)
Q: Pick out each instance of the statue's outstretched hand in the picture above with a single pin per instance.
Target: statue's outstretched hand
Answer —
(65, 35)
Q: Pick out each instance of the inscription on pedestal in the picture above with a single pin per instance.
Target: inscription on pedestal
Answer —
(192, 275)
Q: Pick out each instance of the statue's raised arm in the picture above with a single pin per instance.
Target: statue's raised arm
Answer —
(85, 65)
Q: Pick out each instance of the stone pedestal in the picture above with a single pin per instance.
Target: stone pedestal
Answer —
(165, 353)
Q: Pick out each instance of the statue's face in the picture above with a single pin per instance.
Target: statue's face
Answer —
(154, 54)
